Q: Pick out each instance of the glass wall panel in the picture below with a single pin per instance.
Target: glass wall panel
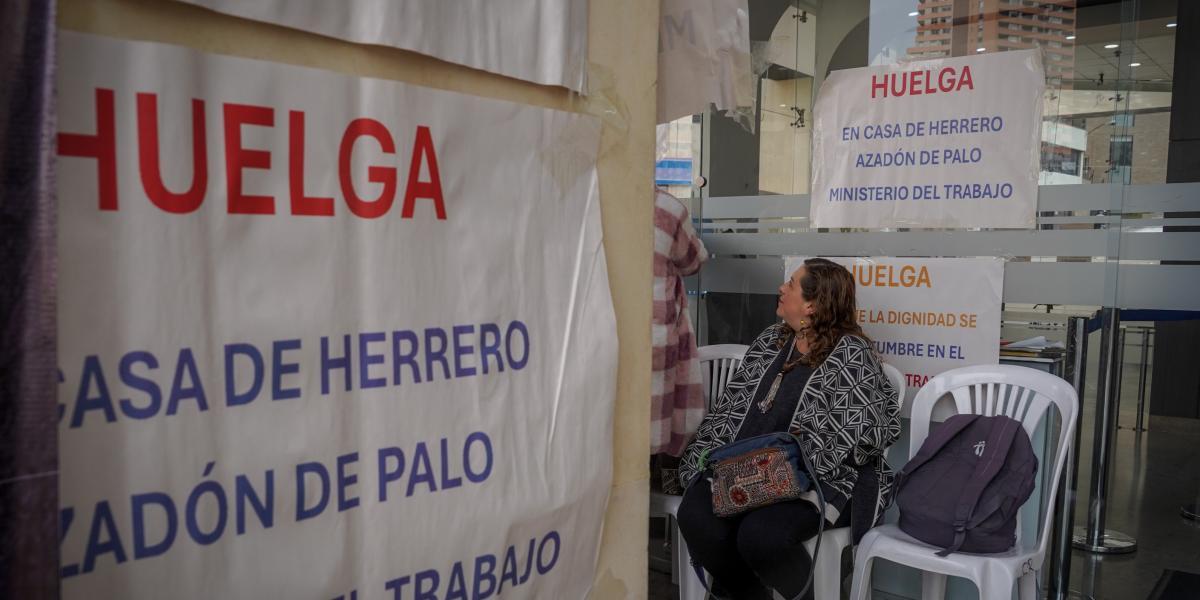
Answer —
(1105, 174)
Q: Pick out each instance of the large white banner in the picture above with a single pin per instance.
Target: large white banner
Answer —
(543, 41)
(952, 142)
(324, 337)
(927, 315)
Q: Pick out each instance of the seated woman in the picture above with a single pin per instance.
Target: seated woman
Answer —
(834, 395)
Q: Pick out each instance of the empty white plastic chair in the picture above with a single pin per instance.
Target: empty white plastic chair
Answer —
(1018, 392)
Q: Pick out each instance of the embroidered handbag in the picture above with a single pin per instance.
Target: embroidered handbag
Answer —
(756, 472)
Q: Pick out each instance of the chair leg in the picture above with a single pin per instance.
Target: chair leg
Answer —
(690, 586)
(994, 585)
(827, 574)
(1028, 587)
(674, 539)
(860, 586)
(933, 586)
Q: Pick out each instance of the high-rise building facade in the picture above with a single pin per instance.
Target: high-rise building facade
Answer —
(962, 27)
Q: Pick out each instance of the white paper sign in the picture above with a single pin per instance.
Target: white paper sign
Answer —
(703, 57)
(927, 315)
(543, 41)
(952, 142)
(323, 336)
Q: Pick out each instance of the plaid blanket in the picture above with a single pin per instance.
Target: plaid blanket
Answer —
(677, 400)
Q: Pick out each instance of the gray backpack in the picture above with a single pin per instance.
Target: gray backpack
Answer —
(963, 488)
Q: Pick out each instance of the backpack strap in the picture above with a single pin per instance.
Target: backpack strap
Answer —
(998, 444)
(949, 429)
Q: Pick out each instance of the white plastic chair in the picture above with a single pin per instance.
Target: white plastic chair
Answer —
(718, 363)
(827, 569)
(1023, 394)
(717, 366)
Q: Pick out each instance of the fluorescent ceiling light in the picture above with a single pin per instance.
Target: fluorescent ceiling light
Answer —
(1070, 37)
(1170, 24)
(1111, 46)
(1135, 64)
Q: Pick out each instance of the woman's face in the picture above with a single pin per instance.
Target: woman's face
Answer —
(792, 307)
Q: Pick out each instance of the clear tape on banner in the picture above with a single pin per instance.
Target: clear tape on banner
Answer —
(604, 103)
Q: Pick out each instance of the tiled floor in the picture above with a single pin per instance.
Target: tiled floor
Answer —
(1154, 473)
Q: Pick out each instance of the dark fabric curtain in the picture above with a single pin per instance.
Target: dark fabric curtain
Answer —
(28, 374)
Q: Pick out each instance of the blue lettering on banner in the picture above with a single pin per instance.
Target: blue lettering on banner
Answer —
(103, 539)
(422, 472)
(345, 480)
(899, 348)
(477, 438)
(262, 504)
(328, 364)
(232, 396)
(315, 468)
(211, 509)
(519, 327)
(977, 191)
(435, 352)
(426, 585)
(895, 348)
(186, 365)
(898, 158)
(141, 384)
(490, 348)
(946, 191)
(366, 359)
(462, 350)
(405, 358)
(449, 481)
(140, 502)
(966, 125)
(216, 493)
(278, 392)
(93, 375)
(415, 357)
(516, 568)
(911, 129)
(387, 475)
(457, 589)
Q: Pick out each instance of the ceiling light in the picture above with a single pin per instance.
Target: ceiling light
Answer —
(1070, 37)
(1170, 24)
(782, 106)
(1135, 64)
(1111, 46)
(913, 13)
(981, 49)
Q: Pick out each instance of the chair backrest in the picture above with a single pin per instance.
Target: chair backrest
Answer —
(897, 381)
(717, 365)
(1020, 393)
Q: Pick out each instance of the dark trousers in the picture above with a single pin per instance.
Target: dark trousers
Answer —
(749, 552)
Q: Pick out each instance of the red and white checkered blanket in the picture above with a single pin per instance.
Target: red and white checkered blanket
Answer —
(677, 402)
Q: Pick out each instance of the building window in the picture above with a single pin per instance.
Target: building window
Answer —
(1120, 158)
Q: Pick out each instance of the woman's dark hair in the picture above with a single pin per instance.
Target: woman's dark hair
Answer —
(830, 287)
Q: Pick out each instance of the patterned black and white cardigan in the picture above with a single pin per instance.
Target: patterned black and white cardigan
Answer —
(847, 416)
